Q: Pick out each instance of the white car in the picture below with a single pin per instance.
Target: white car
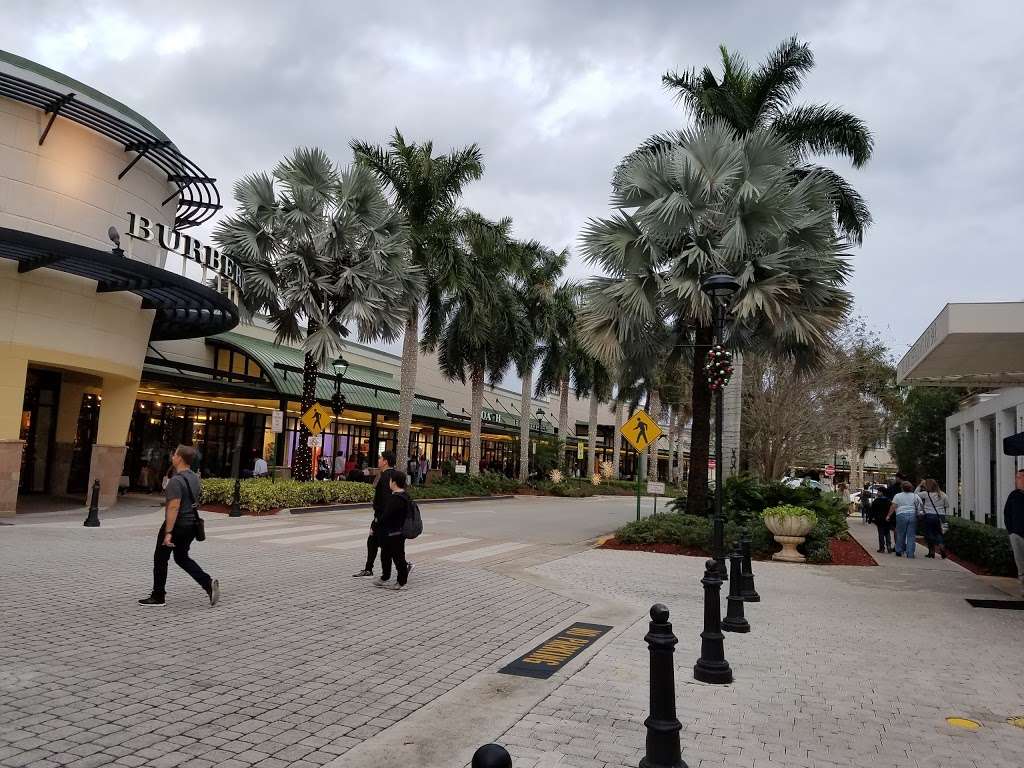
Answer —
(797, 482)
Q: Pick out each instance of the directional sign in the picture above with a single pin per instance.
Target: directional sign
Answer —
(317, 418)
(656, 489)
(641, 430)
(277, 422)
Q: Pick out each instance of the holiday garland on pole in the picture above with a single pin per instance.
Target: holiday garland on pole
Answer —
(718, 367)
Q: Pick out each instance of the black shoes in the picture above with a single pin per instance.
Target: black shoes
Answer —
(151, 601)
(364, 572)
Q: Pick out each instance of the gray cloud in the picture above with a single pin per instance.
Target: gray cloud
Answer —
(556, 93)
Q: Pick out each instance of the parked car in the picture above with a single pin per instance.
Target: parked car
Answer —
(805, 482)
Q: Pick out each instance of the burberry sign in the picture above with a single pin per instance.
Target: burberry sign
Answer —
(141, 228)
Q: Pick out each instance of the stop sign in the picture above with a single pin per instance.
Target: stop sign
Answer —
(830, 470)
(711, 463)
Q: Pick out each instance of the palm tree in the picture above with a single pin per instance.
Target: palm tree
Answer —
(594, 381)
(714, 201)
(324, 247)
(482, 315)
(561, 355)
(536, 277)
(426, 189)
(751, 100)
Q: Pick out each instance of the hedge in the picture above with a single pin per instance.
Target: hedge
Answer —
(692, 531)
(260, 495)
(981, 545)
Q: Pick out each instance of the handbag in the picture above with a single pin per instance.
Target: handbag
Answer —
(199, 527)
(943, 525)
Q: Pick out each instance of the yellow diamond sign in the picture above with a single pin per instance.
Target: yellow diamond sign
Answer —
(317, 418)
(641, 430)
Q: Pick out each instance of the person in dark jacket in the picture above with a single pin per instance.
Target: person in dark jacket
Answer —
(381, 495)
(392, 533)
(1013, 518)
(878, 514)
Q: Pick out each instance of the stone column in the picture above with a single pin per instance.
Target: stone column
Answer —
(952, 484)
(1006, 425)
(68, 411)
(12, 401)
(111, 435)
(982, 476)
(967, 470)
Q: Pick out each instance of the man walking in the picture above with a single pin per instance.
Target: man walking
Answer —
(1013, 517)
(178, 531)
(392, 534)
(381, 495)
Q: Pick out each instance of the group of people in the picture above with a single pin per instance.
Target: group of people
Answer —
(900, 508)
(391, 507)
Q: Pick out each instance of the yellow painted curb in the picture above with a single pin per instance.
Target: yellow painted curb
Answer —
(963, 722)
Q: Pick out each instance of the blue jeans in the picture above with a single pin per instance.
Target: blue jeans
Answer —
(906, 532)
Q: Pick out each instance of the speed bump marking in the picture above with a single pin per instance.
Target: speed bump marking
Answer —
(963, 722)
(1017, 720)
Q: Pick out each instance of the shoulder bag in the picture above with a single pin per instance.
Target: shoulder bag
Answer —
(199, 526)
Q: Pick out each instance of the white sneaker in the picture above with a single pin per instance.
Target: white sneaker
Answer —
(378, 582)
(394, 587)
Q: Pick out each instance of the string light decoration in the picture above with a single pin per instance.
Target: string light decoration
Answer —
(718, 367)
(302, 465)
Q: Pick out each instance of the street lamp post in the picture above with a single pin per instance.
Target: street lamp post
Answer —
(720, 287)
(338, 400)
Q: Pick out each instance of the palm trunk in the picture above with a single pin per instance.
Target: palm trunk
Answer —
(673, 415)
(700, 433)
(680, 429)
(592, 436)
(477, 393)
(617, 440)
(563, 420)
(407, 385)
(524, 426)
(652, 450)
(302, 460)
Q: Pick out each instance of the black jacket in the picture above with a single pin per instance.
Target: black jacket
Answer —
(381, 495)
(397, 510)
(879, 510)
(1013, 512)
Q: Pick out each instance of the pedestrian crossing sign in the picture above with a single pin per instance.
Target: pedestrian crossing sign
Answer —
(641, 430)
(317, 418)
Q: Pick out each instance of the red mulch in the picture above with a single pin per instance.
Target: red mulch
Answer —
(972, 567)
(848, 552)
(223, 509)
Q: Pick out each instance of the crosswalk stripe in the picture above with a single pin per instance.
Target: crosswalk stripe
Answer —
(336, 534)
(413, 548)
(358, 544)
(238, 527)
(480, 554)
(254, 534)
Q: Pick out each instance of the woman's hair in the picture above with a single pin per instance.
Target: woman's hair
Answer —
(907, 486)
(932, 486)
(398, 477)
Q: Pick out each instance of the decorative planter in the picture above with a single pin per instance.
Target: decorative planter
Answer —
(789, 532)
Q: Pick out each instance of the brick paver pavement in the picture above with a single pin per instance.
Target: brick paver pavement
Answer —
(844, 667)
(297, 664)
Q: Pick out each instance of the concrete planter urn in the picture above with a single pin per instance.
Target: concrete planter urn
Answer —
(790, 526)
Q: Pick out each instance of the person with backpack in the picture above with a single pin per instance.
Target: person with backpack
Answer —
(934, 509)
(182, 525)
(397, 514)
(381, 495)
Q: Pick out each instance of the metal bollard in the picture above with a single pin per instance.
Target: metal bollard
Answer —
(663, 726)
(93, 519)
(236, 498)
(712, 667)
(491, 756)
(735, 620)
(749, 593)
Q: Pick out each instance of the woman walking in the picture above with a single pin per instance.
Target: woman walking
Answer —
(878, 514)
(934, 507)
(904, 509)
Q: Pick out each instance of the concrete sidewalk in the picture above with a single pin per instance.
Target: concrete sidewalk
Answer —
(845, 666)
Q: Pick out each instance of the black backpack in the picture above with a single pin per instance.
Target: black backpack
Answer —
(413, 525)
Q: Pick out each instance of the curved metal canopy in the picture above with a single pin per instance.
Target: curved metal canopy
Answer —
(184, 308)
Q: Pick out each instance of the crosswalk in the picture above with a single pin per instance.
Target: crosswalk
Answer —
(350, 536)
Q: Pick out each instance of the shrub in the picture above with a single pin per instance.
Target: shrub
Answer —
(694, 532)
(260, 495)
(789, 510)
(982, 545)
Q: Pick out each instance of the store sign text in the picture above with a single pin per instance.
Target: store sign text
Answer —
(141, 228)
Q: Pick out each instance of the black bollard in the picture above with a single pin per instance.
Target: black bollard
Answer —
(236, 500)
(749, 593)
(718, 544)
(491, 756)
(662, 726)
(734, 620)
(712, 667)
(93, 519)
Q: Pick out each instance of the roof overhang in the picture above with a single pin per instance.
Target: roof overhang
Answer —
(969, 345)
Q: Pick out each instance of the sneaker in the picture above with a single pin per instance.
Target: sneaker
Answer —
(394, 587)
(380, 583)
(410, 569)
(364, 572)
(214, 593)
(880, 550)
(151, 601)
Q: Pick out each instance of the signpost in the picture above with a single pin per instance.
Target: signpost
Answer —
(460, 469)
(315, 441)
(656, 489)
(640, 431)
(317, 418)
(830, 470)
(277, 422)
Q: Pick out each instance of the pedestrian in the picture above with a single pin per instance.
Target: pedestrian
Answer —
(934, 508)
(412, 469)
(259, 467)
(381, 495)
(339, 466)
(178, 531)
(392, 534)
(865, 503)
(878, 514)
(904, 509)
(424, 468)
(1013, 518)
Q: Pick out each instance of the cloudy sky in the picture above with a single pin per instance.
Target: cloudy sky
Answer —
(556, 93)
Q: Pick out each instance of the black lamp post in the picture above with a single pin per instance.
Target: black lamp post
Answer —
(720, 287)
(338, 401)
